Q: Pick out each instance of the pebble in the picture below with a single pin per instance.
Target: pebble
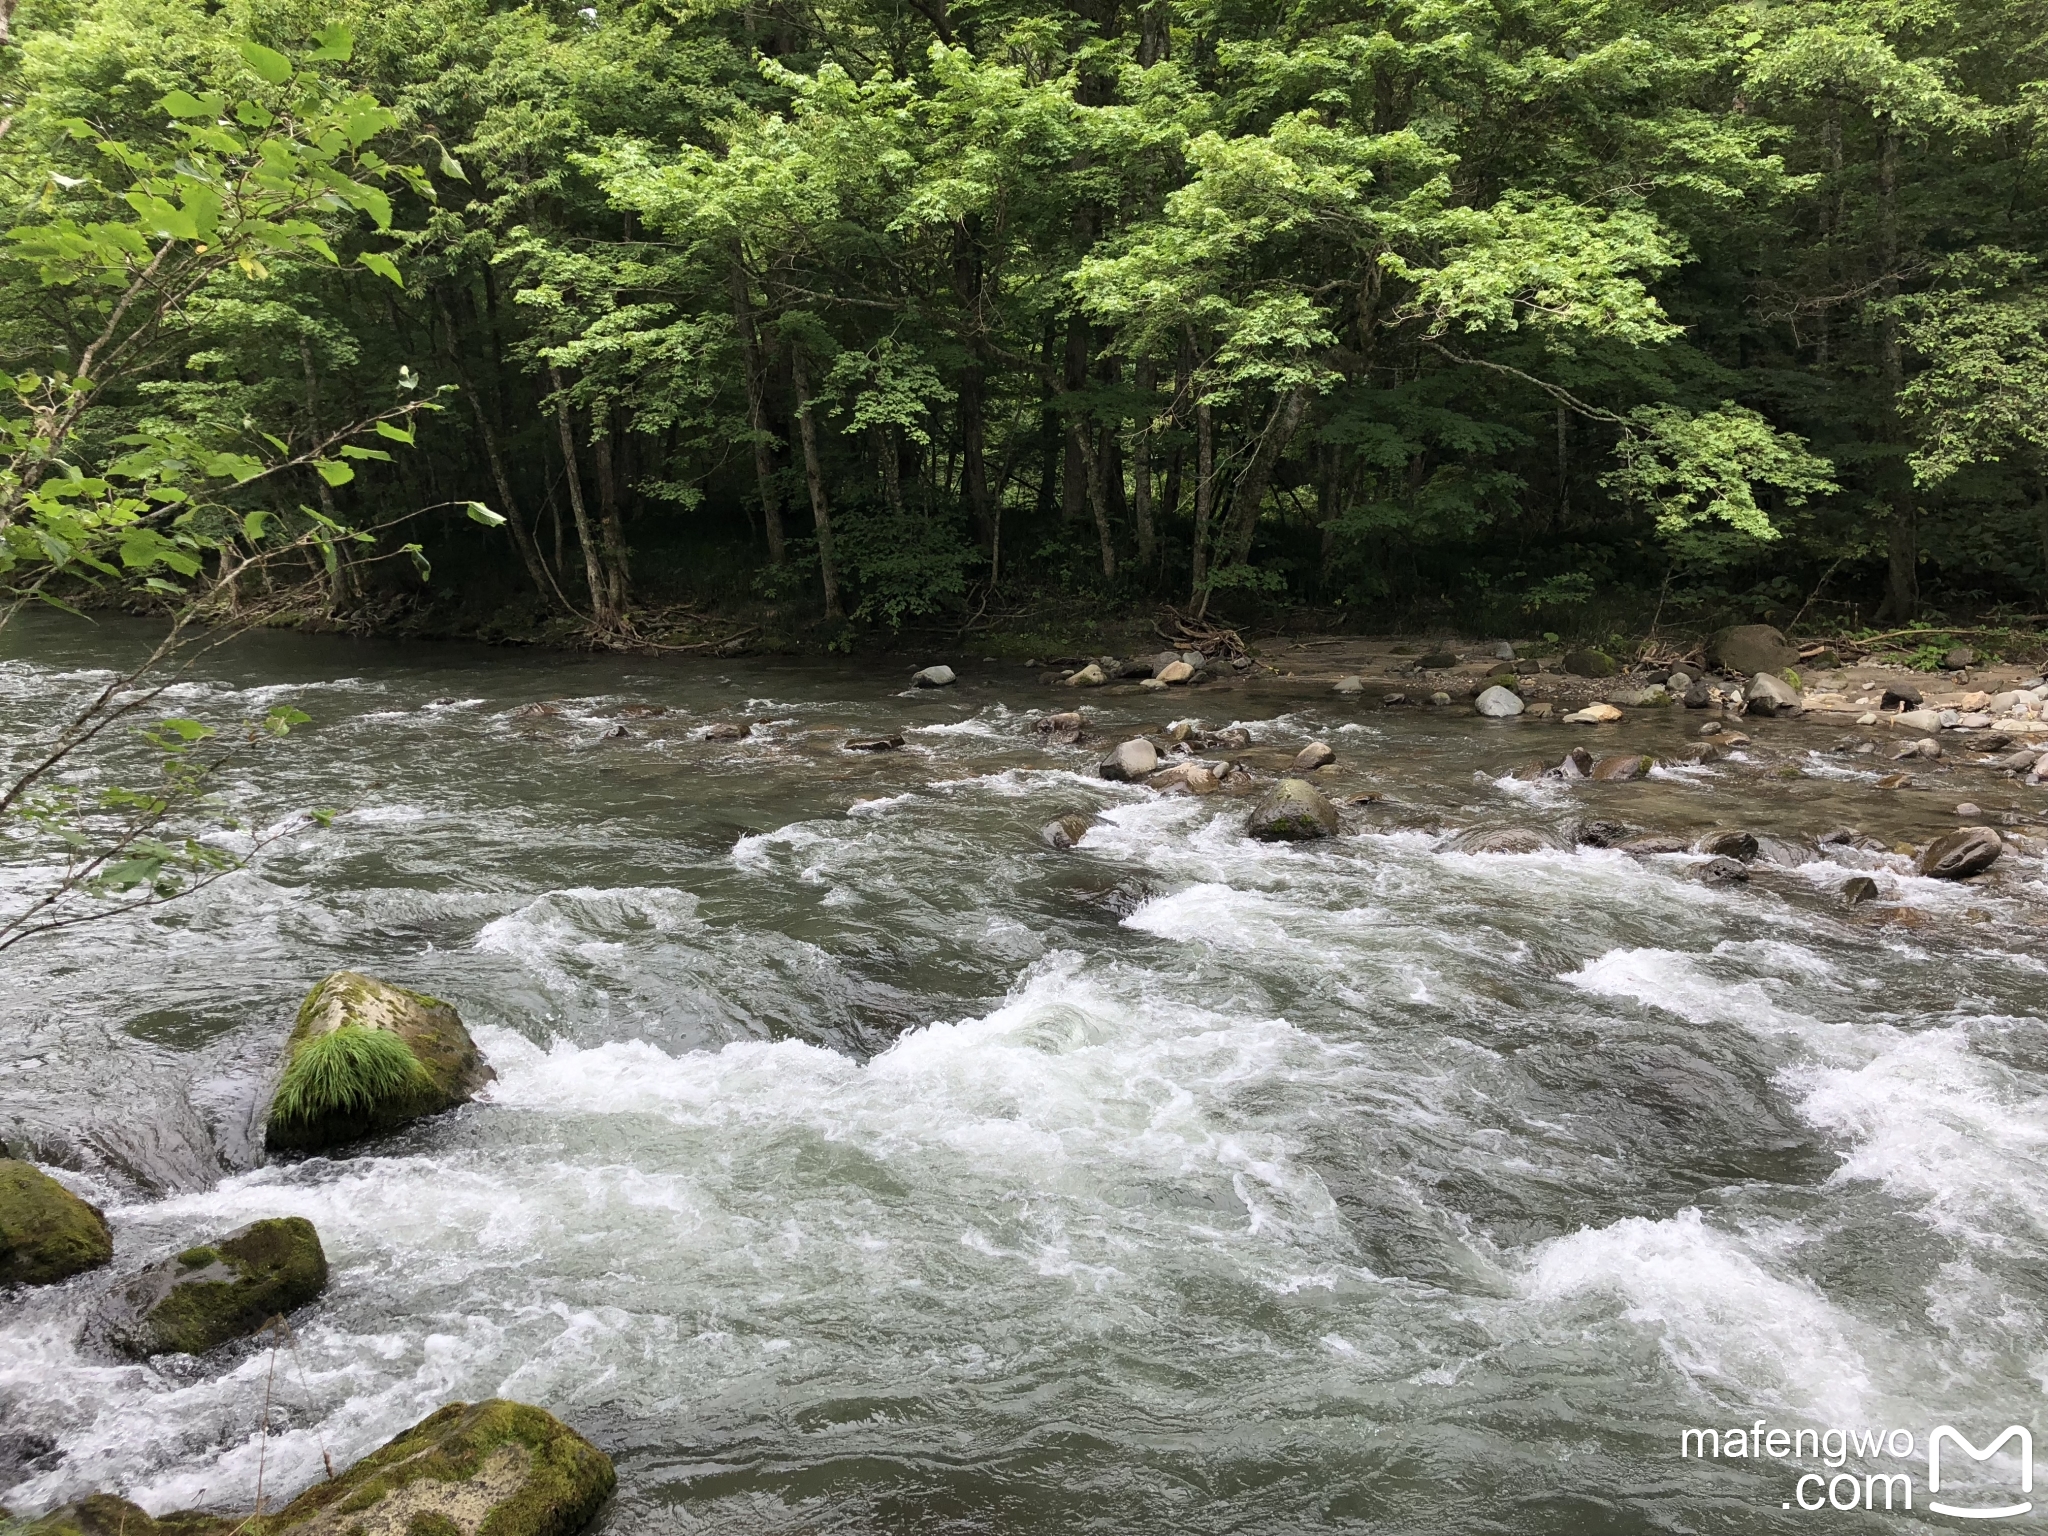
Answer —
(1968, 809)
(1317, 754)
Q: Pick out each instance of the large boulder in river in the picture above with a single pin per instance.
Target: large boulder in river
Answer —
(367, 1057)
(1498, 703)
(1063, 832)
(1750, 648)
(934, 677)
(1590, 664)
(1960, 854)
(496, 1467)
(1295, 812)
(1132, 762)
(225, 1289)
(1772, 695)
(47, 1233)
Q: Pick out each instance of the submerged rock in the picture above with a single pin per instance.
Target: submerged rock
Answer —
(1597, 833)
(500, 1467)
(1133, 762)
(1731, 844)
(1090, 676)
(222, 1290)
(1500, 840)
(875, 744)
(1622, 767)
(1960, 854)
(339, 1086)
(1858, 889)
(1317, 754)
(1296, 811)
(727, 730)
(1060, 730)
(1064, 831)
(1720, 871)
(47, 1233)
(1751, 648)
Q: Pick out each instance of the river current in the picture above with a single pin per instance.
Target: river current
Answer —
(859, 1163)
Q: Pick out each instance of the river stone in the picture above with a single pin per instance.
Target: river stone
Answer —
(1655, 842)
(1961, 659)
(1590, 664)
(1593, 714)
(1065, 831)
(1575, 764)
(1500, 840)
(1917, 720)
(1698, 696)
(1350, 685)
(1296, 811)
(1436, 661)
(455, 1069)
(495, 1468)
(1858, 889)
(217, 1291)
(1960, 854)
(875, 744)
(47, 1233)
(1174, 672)
(1720, 871)
(1497, 703)
(1131, 763)
(1678, 682)
(934, 677)
(1770, 695)
(1621, 768)
(1596, 833)
(1317, 754)
(1060, 730)
(1090, 676)
(1730, 844)
(1896, 694)
(1750, 648)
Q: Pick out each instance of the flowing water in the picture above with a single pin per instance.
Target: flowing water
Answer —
(859, 1163)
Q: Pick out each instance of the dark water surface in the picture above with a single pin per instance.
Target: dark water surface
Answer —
(858, 1163)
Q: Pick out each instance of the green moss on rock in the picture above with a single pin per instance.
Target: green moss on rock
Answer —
(46, 1232)
(495, 1468)
(1296, 811)
(451, 1067)
(224, 1290)
(101, 1514)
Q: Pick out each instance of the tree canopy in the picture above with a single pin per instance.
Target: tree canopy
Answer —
(870, 308)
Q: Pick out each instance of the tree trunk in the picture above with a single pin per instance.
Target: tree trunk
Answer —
(608, 518)
(973, 457)
(814, 474)
(1094, 466)
(593, 569)
(1902, 529)
(1205, 503)
(757, 411)
(1141, 465)
(1074, 461)
(1155, 33)
(1250, 490)
(508, 504)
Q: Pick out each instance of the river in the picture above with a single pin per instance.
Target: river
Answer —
(857, 1162)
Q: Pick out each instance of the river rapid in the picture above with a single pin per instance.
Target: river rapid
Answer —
(859, 1163)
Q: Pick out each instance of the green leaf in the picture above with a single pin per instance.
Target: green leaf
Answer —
(351, 451)
(450, 166)
(282, 718)
(334, 472)
(186, 730)
(395, 433)
(185, 104)
(382, 265)
(336, 42)
(253, 526)
(479, 513)
(272, 67)
(323, 816)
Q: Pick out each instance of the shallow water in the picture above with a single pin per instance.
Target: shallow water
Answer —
(858, 1163)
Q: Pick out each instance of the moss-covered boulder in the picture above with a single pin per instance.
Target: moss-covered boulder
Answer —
(1296, 811)
(345, 1075)
(494, 1468)
(101, 1514)
(46, 1232)
(226, 1289)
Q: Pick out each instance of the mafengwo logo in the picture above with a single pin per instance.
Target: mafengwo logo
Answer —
(1964, 1481)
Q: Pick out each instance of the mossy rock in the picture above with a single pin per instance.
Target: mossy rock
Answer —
(101, 1514)
(495, 1468)
(1590, 664)
(451, 1067)
(1296, 811)
(223, 1290)
(47, 1233)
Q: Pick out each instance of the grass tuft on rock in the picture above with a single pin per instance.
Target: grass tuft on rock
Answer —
(348, 1071)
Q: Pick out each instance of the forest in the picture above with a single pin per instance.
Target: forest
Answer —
(868, 313)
